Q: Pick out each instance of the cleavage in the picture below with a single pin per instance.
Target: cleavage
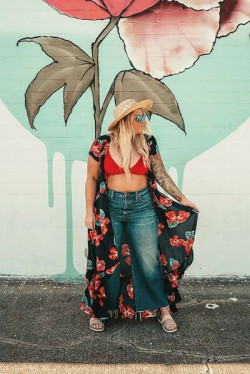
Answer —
(117, 162)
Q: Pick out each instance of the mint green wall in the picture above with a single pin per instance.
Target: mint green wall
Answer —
(213, 96)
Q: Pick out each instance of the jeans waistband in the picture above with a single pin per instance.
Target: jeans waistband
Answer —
(137, 193)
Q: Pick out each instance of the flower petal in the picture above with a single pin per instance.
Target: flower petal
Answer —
(82, 9)
(168, 38)
(138, 6)
(115, 7)
(200, 4)
(233, 13)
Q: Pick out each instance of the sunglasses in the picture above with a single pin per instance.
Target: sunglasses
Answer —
(140, 118)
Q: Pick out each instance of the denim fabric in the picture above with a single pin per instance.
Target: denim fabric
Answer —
(134, 214)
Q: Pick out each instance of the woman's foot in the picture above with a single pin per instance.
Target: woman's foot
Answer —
(95, 324)
(168, 324)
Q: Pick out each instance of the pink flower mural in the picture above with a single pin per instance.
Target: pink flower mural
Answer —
(161, 38)
(100, 9)
(171, 36)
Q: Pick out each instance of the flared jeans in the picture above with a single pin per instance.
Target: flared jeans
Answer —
(134, 214)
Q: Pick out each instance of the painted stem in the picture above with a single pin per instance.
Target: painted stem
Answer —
(95, 87)
(106, 102)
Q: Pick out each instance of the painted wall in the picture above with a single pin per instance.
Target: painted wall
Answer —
(192, 56)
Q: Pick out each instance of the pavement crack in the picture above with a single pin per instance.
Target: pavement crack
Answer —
(199, 302)
(207, 367)
(127, 325)
(156, 351)
(27, 344)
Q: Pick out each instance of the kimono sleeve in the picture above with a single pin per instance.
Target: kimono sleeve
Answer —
(153, 146)
(94, 150)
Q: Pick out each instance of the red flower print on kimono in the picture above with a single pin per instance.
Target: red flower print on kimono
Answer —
(100, 265)
(160, 228)
(172, 298)
(102, 293)
(112, 269)
(130, 289)
(125, 250)
(165, 201)
(149, 313)
(102, 188)
(126, 311)
(96, 281)
(176, 241)
(91, 290)
(94, 237)
(86, 309)
(174, 219)
(102, 221)
(113, 253)
(163, 259)
(128, 260)
(174, 263)
(96, 148)
(173, 280)
(188, 245)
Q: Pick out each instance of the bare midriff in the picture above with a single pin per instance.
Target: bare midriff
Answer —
(119, 182)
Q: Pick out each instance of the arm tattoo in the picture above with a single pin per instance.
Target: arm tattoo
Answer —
(162, 177)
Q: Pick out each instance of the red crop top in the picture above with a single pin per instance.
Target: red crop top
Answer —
(111, 167)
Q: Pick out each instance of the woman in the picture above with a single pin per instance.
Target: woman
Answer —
(140, 241)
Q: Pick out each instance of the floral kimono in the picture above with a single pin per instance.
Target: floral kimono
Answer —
(176, 233)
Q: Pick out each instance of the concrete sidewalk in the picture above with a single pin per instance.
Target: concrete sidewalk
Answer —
(43, 330)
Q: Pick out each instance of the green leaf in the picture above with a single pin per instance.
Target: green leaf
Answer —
(72, 68)
(140, 86)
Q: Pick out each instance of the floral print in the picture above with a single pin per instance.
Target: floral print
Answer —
(176, 233)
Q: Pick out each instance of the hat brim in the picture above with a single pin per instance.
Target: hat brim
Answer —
(145, 105)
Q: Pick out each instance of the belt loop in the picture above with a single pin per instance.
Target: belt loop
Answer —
(136, 195)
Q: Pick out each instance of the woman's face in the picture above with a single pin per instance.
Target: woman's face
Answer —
(138, 120)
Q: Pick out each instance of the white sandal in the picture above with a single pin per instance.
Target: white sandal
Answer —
(167, 321)
(96, 321)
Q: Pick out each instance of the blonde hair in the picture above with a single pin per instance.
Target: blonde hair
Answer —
(123, 136)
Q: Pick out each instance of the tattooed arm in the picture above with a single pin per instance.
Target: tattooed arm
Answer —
(163, 179)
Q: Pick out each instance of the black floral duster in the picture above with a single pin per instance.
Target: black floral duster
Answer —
(176, 233)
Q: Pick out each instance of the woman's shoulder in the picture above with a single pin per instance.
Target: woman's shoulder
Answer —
(103, 137)
(152, 144)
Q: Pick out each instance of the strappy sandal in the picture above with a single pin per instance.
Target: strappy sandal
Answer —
(167, 321)
(95, 321)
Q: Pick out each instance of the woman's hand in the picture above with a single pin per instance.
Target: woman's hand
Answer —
(185, 201)
(90, 220)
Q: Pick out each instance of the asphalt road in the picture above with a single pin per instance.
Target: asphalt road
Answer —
(43, 330)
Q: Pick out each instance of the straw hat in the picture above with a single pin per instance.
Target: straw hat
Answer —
(128, 106)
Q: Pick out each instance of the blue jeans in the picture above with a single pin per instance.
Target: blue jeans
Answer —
(134, 213)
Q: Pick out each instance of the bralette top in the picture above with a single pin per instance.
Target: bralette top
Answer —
(111, 167)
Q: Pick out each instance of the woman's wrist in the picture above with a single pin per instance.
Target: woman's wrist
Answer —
(89, 209)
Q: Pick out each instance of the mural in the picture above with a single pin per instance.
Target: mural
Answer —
(161, 38)
(160, 45)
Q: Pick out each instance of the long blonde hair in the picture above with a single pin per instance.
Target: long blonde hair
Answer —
(123, 136)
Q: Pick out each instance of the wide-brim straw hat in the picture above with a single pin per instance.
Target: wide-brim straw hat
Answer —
(128, 106)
